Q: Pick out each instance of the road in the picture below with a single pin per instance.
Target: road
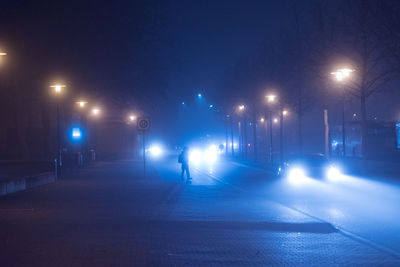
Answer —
(230, 214)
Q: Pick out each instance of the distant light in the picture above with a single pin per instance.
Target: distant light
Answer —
(297, 175)
(271, 98)
(155, 151)
(76, 134)
(132, 117)
(285, 112)
(195, 156)
(249, 145)
(58, 87)
(211, 154)
(241, 107)
(333, 172)
(262, 120)
(334, 143)
(81, 104)
(276, 120)
(342, 74)
(211, 106)
(95, 111)
(183, 103)
(3, 54)
(199, 95)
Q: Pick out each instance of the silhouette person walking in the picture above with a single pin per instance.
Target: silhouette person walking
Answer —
(184, 161)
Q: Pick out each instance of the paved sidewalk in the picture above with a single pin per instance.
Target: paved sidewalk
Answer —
(110, 215)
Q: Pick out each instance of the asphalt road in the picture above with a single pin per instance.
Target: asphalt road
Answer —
(230, 214)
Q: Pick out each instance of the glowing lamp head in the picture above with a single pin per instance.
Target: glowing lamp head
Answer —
(285, 112)
(81, 104)
(132, 117)
(241, 107)
(271, 98)
(262, 120)
(58, 88)
(276, 120)
(95, 111)
(342, 74)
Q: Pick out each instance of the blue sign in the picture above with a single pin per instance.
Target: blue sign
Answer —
(76, 134)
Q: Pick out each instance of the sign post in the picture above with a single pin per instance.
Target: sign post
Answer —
(143, 125)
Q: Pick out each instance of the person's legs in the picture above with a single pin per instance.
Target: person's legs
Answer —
(183, 171)
(187, 172)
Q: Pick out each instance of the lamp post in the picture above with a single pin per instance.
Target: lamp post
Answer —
(282, 113)
(240, 110)
(83, 147)
(58, 90)
(341, 75)
(227, 119)
(270, 99)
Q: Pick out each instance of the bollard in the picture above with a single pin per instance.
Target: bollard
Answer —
(93, 155)
(80, 159)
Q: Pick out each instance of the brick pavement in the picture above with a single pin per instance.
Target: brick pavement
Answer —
(109, 215)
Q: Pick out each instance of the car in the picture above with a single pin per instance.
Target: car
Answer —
(311, 165)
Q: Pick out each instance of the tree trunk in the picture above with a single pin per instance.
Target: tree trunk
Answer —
(363, 122)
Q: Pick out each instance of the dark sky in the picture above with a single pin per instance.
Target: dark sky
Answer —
(146, 55)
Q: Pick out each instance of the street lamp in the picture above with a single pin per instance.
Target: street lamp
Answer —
(272, 98)
(242, 129)
(341, 75)
(132, 117)
(95, 111)
(81, 103)
(58, 90)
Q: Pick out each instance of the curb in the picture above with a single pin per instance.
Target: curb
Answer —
(16, 185)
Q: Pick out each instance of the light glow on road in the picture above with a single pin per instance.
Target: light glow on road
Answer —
(211, 154)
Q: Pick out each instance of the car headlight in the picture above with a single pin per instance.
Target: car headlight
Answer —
(155, 151)
(195, 156)
(333, 172)
(296, 173)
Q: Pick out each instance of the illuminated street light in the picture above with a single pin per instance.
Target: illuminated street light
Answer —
(341, 75)
(95, 111)
(58, 88)
(262, 119)
(132, 117)
(81, 104)
(276, 120)
(241, 107)
(271, 98)
(285, 112)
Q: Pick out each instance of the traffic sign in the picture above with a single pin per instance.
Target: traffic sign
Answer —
(143, 124)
